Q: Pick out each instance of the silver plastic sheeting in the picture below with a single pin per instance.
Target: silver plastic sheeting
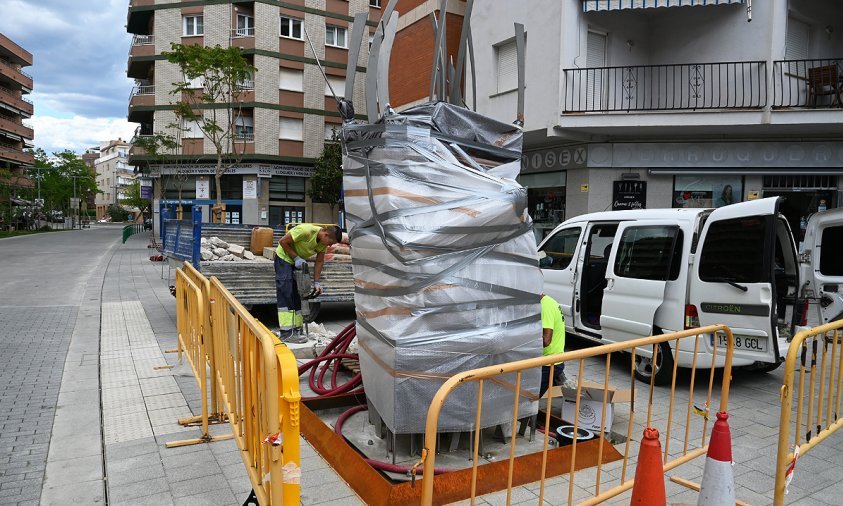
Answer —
(445, 264)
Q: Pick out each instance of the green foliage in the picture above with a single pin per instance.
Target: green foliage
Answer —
(221, 72)
(117, 213)
(62, 177)
(326, 182)
(133, 199)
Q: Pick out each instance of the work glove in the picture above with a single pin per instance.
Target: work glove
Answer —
(300, 263)
(317, 287)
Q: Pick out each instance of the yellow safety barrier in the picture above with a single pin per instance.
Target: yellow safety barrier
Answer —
(193, 326)
(695, 415)
(818, 409)
(258, 385)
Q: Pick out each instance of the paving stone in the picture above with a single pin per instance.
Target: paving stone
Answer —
(199, 485)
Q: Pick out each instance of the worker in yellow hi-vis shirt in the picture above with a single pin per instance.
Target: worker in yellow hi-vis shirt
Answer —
(297, 245)
(553, 339)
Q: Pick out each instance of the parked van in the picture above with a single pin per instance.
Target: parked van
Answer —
(622, 275)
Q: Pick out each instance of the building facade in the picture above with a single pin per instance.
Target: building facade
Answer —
(287, 110)
(114, 175)
(15, 134)
(629, 105)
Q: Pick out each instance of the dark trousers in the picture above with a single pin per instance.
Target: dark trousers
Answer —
(286, 291)
(558, 377)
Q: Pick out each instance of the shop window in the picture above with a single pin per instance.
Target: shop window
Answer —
(734, 251)
(287, 188)
(707, 191)
(560, 249)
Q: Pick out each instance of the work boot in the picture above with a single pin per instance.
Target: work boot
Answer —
(292, 336)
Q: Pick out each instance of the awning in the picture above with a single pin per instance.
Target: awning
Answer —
(613, 5)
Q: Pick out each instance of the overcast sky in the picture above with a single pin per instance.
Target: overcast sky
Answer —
(79, 48)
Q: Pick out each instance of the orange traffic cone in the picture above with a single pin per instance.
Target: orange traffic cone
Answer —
(718, 483)
(648, 488)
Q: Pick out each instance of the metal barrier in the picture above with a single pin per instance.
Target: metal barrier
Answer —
(690, 448)
(193, 324)
(820, 418)
(258, 385)
(130, 230)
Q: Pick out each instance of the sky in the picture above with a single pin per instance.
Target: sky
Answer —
(79, 49)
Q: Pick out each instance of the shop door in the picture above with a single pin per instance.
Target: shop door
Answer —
(281, 216)
(803, 196)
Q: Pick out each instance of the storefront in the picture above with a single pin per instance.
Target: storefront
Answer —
(544, 175)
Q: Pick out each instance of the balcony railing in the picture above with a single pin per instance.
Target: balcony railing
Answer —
(143, 40)
(242, 32)
(248, 84)
(808, 83)
(244, 137)
(15, 68)
(143, 90)
(687, 86)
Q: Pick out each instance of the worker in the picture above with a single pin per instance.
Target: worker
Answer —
(553, 340)
(293, 250)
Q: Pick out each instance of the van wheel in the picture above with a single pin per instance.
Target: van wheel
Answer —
(664, 366)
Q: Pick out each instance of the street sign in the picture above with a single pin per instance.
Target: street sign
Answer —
(74, 202)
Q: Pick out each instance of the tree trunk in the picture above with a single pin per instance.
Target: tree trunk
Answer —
(218, 207)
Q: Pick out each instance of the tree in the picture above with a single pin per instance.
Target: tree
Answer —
(63, 176)
(134, 199)
(216, 108)
(326, 182)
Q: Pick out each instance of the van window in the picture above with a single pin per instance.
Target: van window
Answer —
(831, 246)
(560, 249)
(734, 251)
(646, 252)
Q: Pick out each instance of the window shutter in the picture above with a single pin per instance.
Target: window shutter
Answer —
(507, 64)
(595, 56)
(291, 129)
(796, 44)
(292, 80)
(339, 86)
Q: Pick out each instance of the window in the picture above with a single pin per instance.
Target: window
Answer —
(291, 129)
(375, 3)
(244, 128)
(832, 244)
(646, 252)
(706, 191)
(560, 249)
(195, 83)
(193, 26)
(286, 188)
(291, 80)
(245, 26)
(329, 130)
(338, 83)
(291, 28)
(796, 40)
(734, 251)
(335, 36)
(506, 60)
(191, 130)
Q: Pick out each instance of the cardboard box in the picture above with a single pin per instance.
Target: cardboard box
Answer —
(591, 404)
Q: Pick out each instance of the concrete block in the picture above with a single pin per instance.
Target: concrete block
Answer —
(218, 243)
(248, 255)
(220, 252)
(236, 250)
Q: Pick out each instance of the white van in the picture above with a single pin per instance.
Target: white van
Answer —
(622, 275)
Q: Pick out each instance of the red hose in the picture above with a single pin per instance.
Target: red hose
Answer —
(331, 358)
(377, 464)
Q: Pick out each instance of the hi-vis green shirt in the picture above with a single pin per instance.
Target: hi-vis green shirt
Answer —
(304, 242)
(552, 319)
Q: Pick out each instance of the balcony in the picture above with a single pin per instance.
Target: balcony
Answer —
(14, 73)
(16, 155)
(675, 87)
(8, 124)
(244, 38)
(15, 100)
(808, 84)
(244, 137)
(142, 45)
(139, 17)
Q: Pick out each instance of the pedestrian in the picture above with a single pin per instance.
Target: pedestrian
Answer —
(297, 245)
(553, 340)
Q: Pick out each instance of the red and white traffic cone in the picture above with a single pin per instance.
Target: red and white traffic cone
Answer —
(718, 483)
(648, 488)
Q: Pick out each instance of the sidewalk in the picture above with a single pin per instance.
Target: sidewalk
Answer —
(140, 404)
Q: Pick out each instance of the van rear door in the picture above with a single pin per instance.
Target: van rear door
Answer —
(639, 267)
(732, 276)
(821, 265)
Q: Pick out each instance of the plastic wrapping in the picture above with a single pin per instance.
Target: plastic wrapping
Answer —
(445, 264)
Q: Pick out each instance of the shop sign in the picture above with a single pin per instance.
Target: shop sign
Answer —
(548, 160)
(262, 170)
(629, 195)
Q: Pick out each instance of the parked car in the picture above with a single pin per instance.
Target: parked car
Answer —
(622, 275)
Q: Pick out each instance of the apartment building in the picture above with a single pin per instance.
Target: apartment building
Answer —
(287, 110)
(670, 103)
(90, 158)
(114, 175)
(15, 134)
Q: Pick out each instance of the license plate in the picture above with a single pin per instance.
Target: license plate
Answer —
(748, 343)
